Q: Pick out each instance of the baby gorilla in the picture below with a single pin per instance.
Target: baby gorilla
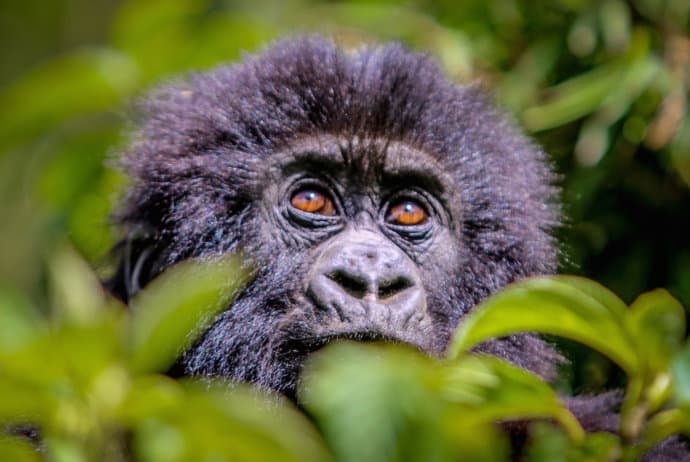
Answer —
(376, 199)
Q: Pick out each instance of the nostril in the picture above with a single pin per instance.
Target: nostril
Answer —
(353, 285)
(392, 287)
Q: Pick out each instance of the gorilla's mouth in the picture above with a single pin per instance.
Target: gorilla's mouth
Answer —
(307, 345)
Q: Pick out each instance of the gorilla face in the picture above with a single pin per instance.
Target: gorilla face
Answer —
(376, 200)
(372, 220)
(367, 234)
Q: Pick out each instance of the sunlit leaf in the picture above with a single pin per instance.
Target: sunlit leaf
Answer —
(662, 426)
(157, 440)
(70, 354)
(549, 444)
(521, 84)
(615, 24)
(17, 450)
(149, 396)
(67, 86)
(200, 40)
(680, 151)
(550, 306)
(23, 402)
(60, 449)
(681, 376)
(657, 321)
(375, 403)
(608, 299)
(19, 321)
(177, 306)
(496, 390)
(575, 98)
(582, 36)
(77, 294)
(640, 73)
(609, 84)
(253, 429)
(592, 143)
(598, 447)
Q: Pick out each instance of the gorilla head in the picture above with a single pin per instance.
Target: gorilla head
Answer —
(376, 199)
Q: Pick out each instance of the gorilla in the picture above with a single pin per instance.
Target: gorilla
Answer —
(376, 199)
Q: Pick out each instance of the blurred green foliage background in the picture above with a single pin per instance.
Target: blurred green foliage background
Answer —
(603, 85)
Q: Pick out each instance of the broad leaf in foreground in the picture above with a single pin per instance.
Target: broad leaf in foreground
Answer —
(177, 306)
(552, 305)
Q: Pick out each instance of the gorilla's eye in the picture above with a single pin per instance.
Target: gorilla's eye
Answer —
(313, 201)
(406, 213)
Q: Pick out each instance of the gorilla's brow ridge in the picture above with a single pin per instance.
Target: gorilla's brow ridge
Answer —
(369, 155)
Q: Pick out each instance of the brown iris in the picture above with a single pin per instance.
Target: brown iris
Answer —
(313, 201)
(406, 213)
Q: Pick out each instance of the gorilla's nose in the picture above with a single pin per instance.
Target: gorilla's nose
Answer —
(366, 272)
(365, 279)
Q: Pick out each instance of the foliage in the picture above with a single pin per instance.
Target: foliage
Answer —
(602, 85)
(383, 403)
(87, 377)
(99, 395)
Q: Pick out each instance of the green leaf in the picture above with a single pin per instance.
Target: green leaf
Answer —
(521, 85)
(77, 293)
(72, 355)
(608, 299)
(549, 444)
(17, 450)
(149, 396)
(19, 321)
(598, 447)
(681, 376)
(615, 24)
(575, 98)
(22, 402)
(199, 39)
(252, 428)
(663, 425)
(680, 151)
(375, 403)
(72, 85)
(588, 92)
(657, 320)
(61, 449)
(497, 390)
(577, 309)
(177, 306)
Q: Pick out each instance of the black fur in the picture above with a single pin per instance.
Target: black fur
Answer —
(202, 159)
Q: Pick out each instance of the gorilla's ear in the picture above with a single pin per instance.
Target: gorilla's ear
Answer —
(136, 258)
